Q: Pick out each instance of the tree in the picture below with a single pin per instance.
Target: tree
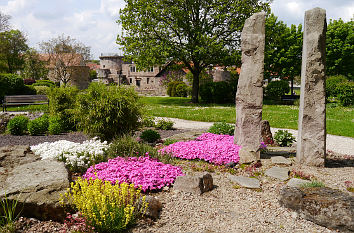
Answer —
(197, 33)
(4, 22)
(62, 54)
(12, 46)
(34, 67)
(283, 50)
(340, 48)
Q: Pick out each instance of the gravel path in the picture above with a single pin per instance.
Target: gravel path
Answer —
(338, 144)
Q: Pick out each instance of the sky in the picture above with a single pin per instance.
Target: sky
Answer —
(93, 22)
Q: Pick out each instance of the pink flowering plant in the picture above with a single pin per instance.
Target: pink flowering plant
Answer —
(213, 148)
(144, 172)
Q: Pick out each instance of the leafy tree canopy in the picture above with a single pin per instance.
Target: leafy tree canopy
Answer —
(198, 33)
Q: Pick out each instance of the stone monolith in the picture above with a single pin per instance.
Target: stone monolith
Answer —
(249, 97)
(311, 145)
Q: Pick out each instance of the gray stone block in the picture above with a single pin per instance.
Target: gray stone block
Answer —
(246, 182)
(278, 173)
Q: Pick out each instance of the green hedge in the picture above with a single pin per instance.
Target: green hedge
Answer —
(12, 84)
(219, 92)
(172, 89)
(275, 89)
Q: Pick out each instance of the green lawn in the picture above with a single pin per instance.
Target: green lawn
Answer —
(340, 120)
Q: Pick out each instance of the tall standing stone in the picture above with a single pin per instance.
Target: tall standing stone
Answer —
(249, 97)
(311, 146)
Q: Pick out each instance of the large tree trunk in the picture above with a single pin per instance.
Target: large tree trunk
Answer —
(195, 87)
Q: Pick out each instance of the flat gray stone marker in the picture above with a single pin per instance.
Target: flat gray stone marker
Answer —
(280, 160)
(246, 182)
(278, 173)
(249, 96)
(311, 145)
(297, 183)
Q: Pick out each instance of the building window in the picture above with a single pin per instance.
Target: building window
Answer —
(147, 80)
(130, 80)
(132, 69)
(150, 69)
(137, 83)
(104, 66)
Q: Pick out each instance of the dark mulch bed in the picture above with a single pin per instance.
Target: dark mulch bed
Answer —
(9, 140)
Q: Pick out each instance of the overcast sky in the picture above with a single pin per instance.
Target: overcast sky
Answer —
(93, 22)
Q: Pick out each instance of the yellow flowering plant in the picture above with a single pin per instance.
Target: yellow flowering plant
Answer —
(107, 207)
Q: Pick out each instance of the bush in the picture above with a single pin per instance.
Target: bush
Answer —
(127, 146)
(148, 121)
(109, 111)
(12, 84)
(46, 83)
(62, 104)
(164, 124)
(331, 84)
(345, 92)
(171, 88)
(222, 128)
(18, 125)
(42, 90)
(169, 141)
(29, 90)
(284, 138)
(29, 81)
(150, 136)
(55, 125)
(107, 207)
(219, 92)
(38, 126)
(276, 89)
(181, 90)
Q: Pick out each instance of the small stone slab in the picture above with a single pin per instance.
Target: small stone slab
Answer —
(297, 183)
(194, 184)
(280, 160)
(278, 173)
(246, 182)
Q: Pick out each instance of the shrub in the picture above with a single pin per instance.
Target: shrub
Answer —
(55, 125)
(169, 141)
(284, 138)
(219, 92)
(29, 81)
(62, 103)
(28, 90)
(276, 89)
(107, 207)
(12, 84)
(345, 92)
(331, 84)
(206, 92)
(313, 184)
(42, 90)
(18, 125)
(46, 83)
(181, 90)
(38, 126)
(148, 121)
(171, 88)
(127, 146)
(109, 111)
(222, 128)
(164, 124)
(150, 136)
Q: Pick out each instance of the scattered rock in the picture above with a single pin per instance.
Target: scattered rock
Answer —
(186, 136)
(324, 206)
(154, 207)
(297, 183)
(245, 182)
(280, 160)
(36, 184)
(266, 132)
(231, 164)
(278, 173)
(194, 184)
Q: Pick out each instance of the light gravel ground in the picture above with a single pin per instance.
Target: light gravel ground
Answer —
(338, 144)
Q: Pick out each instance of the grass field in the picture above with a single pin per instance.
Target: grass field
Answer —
(340, 120)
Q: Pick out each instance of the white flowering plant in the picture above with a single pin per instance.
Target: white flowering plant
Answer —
(76, 156)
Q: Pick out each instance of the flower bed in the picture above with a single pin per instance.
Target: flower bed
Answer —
(146, 172)
(213, 148)
(72, 151)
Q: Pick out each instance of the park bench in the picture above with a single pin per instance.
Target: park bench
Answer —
(17, 100)
(289, 98)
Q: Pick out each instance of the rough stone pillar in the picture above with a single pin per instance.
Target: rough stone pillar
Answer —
(311, 145)
(249, 97)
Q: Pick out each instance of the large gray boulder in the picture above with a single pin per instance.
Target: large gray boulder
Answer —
(194, 184)
(36, 184)
(311, 144)
(324, 206)
(249, 96)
